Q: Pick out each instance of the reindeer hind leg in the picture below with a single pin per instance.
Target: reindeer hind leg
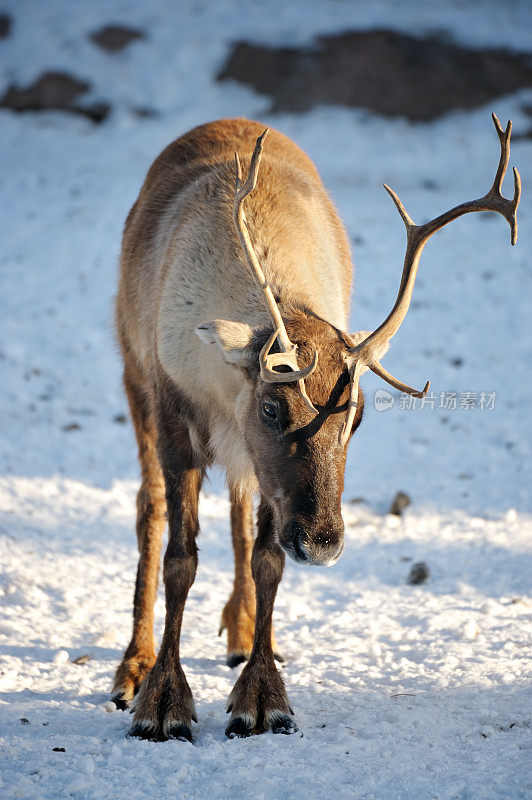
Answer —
(238, 615)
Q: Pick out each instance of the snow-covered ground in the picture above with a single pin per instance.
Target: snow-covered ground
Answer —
(400, 691)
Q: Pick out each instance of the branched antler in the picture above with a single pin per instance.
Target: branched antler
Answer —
(287, 357)
(364, 354)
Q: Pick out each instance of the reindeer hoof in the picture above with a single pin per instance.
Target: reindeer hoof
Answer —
(258, 702)
(146, 729)
(283, 724)
(181, 732)
(129, 677)
(164, 707)
(143, 729)
(234, 659)
(239, 728)
(120, 700)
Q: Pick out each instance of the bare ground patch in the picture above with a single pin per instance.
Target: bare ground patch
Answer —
(381, 70)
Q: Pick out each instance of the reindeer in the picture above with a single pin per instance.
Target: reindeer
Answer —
(233, 330)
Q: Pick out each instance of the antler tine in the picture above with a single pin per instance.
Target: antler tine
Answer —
(405, 216)
(504, 138)
(379, 370)
(302, 390)
(508, 208)
(287, 356)
(417, 236)
(352, 403)
(242, 190)
(238, 179)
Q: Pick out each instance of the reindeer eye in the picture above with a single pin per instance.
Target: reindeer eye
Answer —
(269, 410)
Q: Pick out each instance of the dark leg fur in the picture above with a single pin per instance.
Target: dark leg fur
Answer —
(165, 708)
(258, 700)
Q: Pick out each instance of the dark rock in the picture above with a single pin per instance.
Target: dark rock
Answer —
(5, 25)
(419, 573)
(25, 720)
(115, 37)
(53, 91)
(382, 70)
(97, 112)
(80, 660)
(59, 749)
(120, 419)
(72, 426)
(399, 503)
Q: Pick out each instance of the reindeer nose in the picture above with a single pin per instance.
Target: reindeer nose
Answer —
(322, 547)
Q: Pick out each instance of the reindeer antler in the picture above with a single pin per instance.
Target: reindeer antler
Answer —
(287, 357)
(364, 354)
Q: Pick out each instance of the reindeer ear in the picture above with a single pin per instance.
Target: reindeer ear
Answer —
(233, 339)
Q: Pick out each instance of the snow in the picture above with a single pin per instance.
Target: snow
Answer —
(399, 691)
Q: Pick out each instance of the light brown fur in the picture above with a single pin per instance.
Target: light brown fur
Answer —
(140, 656)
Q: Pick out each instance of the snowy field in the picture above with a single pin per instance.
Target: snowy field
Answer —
(400, 692)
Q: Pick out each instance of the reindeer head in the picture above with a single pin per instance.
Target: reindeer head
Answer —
(297, 420)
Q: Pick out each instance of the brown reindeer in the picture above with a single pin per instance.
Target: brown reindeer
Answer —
(233, 332)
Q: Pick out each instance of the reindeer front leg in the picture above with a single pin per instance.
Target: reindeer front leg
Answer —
(258, 700)
(165, 707)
